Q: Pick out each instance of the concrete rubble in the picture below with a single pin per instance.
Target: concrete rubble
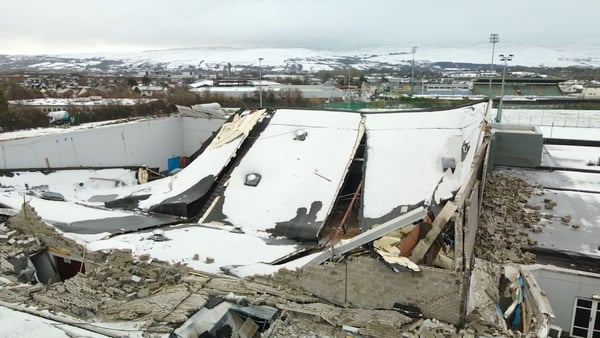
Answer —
(160, 297)
(505, 220)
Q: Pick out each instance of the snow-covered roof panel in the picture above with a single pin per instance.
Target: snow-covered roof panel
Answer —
(172, 194)
(416, 158)
(316, 118)
(300, 160)
(425, 120)
(203, 248)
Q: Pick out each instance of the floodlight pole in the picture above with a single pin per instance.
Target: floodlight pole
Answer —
(348, 88)
(412, 70)
(494, 38)
(260, 81)
(504, 58)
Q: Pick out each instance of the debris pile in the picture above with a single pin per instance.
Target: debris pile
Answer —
(160, 297)
(505, 220)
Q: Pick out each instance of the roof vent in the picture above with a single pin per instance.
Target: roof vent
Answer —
(300, 135)
(252, 179)
(448, 163)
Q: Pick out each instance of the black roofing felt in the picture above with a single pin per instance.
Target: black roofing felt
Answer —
(117, 225)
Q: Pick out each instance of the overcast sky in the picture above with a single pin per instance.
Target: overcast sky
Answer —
(66, 26)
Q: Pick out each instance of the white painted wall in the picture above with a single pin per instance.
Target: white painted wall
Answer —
(562, 286)
(150, 141)
(197, 130)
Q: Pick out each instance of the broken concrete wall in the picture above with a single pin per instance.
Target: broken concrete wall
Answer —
(28, 221)
(537, 311)
(482, 312)
(365, 282)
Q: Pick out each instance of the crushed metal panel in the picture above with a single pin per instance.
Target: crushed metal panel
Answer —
(299, 176)
(205, 321)
(115, 225)
(404, 166)
(222, 318)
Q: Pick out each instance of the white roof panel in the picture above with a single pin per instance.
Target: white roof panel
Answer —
(299, 179)
(404, 158)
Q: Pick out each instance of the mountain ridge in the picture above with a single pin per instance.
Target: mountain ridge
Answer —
(306, 59)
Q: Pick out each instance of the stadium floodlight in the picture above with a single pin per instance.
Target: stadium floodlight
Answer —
(505, 59)
(412, 69)
(494, 39)
(260, 81)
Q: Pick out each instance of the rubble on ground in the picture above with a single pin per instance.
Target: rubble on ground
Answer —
(505, 220)
(117, 286)
(161, 297)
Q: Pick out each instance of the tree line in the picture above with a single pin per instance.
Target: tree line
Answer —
(16, 117)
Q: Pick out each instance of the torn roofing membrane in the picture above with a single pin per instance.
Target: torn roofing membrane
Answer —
(404, 166)
(302, 158)
(195, 180)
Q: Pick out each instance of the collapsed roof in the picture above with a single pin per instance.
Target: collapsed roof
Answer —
(274, 176)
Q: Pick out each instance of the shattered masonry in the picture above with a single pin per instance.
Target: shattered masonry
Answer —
(162, 296)
(506, 218)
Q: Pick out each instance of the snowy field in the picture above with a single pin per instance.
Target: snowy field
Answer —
(313, 60)
(557, 123)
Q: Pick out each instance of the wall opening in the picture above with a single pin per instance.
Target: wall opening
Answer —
(344, 219)
(50, 269)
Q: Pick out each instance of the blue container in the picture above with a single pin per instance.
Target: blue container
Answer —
(173, 163)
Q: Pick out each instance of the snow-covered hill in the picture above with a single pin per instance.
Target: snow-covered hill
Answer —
(306, 59)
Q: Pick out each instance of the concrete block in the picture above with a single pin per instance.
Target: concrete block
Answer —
(143, 293)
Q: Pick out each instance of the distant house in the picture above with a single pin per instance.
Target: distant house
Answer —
(591, 91)
(150, 90)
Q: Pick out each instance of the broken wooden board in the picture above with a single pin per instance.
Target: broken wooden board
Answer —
(370, 235)
(436, 228)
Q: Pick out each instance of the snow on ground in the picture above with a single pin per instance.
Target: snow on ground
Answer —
(315, 60)
(74, 185)
(557, 123)
(16, 324)
(573, 156)
(571, 133)
(572, 118)
(268, 269)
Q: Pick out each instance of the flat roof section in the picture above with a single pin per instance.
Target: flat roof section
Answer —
(575, 157)
(572, 224)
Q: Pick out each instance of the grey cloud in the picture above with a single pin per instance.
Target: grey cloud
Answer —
(71, 25)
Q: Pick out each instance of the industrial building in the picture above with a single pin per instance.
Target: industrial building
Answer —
(356, 209)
